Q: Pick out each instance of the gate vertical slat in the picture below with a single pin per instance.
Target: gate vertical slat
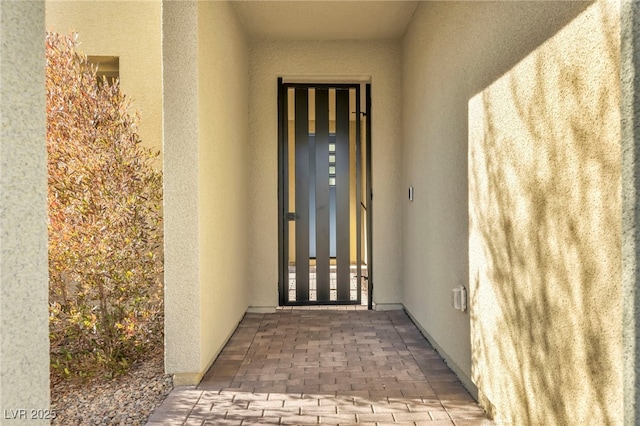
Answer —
(358, 203)
(302, 194)
(322, 194)
(343, 234)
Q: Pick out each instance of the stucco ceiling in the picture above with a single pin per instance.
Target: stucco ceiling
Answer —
(324, 20)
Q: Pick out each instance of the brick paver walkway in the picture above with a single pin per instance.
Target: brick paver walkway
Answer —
(324, 366)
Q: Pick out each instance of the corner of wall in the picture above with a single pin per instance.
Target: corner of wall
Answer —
(24, 291)
(180, 145)
(223, 173)
(630, 133)
(187, 379)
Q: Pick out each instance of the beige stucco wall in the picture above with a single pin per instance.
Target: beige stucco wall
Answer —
(222, 155)
(130, 30)
(377, 61)
(545, 211)
(511, 139)
(24, 293)
(205, 170)
(630, 224)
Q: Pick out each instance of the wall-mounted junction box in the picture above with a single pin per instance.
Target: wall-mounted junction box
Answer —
(459, 298)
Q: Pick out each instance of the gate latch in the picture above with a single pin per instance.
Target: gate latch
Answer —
(291, 216)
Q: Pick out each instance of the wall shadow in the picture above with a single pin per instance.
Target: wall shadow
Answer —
(545, 208)
(451, 51)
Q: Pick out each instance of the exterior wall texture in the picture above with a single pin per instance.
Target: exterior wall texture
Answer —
(630, 146)
(130, 30)
(512, 141)
(545, 210)
(24, 292)
(378, 61)
(182, 331)
(222, 155)
(205, 169)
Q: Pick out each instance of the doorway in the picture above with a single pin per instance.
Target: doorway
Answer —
(324, 194)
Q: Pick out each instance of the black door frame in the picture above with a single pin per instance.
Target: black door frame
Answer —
(283, 216)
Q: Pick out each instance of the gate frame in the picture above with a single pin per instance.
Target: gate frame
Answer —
(283, 221)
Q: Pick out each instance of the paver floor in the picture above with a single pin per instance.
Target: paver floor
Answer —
(324, 366)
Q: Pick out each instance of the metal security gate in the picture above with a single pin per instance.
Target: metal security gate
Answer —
(324, 195)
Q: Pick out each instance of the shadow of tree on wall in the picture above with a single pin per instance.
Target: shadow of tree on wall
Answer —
(545, 208)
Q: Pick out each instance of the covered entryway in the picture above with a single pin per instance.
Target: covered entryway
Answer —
(325, 193)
